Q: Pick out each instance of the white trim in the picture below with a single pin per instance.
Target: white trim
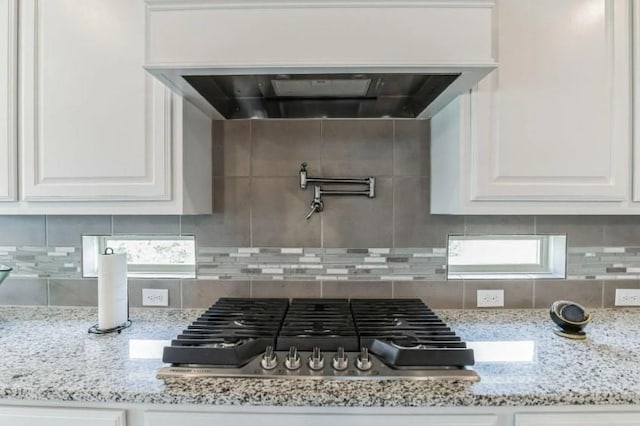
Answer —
(157, 5)
(11, 118)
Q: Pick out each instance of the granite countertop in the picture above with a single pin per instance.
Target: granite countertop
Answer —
(47, 355)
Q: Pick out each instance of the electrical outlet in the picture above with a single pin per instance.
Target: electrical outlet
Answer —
(627, 297)
(490, 298)
(155, 297)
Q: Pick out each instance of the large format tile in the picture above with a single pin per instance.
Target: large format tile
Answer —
(23, 291)
(22, 230)
(231, 147)
(414, 226)
(411, 153)
(359, 221)
(582, 231)
(229, 225)
(139, 225)
(517, 294)
(588, 293)
(280, 146)
(278, 213)
(204, 293)
(286, 289)
(436, 294)
(357, 148)
(622, 231)
(499, 225)
(136, 286)
(356, 289)
(68, 230)
(73, 292)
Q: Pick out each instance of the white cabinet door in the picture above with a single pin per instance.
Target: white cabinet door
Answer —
(93, 124)
(578, 419)
(315, 419)
(31, 416)
(636, 96)
(552, 123)
(8, 104)
(548, 132)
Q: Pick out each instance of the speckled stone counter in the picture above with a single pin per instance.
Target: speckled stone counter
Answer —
(47, 355)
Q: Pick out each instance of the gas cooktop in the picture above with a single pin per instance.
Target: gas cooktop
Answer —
(377, 339)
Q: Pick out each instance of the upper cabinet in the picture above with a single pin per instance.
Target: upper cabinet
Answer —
(550, 130)
(8, 102)
(97, 133)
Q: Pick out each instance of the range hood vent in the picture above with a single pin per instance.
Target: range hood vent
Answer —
(321, 96)
(320, 58)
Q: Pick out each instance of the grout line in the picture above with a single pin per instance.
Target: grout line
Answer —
(320, 160)
(46, 231)
(464, 293)
(602, 295)
(251, 183)
(533, 294)
(393, 186)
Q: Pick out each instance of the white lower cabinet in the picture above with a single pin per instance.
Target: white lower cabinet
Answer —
(31, 416)
(578, 419)
(166, 418)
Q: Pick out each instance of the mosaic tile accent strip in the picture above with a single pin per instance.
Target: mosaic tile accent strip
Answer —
(322, 264)
(325, 264)
(42, 262)
(603, 263)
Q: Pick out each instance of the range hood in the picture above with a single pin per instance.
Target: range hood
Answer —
(319, 59)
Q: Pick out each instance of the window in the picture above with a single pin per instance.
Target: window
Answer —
(157, 256)
(506, 256)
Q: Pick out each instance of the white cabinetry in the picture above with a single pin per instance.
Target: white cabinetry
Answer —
(97, 133)
(31, 416)
(635, 25)
(8, 103)
(316, 419)
(549, 131)
(578, 419)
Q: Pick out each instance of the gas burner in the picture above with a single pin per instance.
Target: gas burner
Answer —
(319, 338)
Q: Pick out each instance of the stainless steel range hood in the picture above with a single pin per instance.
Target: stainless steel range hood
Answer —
(321, 95)
(319, 58)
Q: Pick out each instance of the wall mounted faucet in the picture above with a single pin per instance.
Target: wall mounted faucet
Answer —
(317, 205)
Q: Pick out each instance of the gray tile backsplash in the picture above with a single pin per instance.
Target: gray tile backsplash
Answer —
(257, 243)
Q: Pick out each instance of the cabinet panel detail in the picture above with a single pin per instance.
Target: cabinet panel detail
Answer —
(553, 122)
(8, 100)
(316, 419)
(94, 125)
(32, 416)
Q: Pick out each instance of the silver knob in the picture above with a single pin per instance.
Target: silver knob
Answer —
(316, 360)
(292, 360)
(363, 360)
(269, 360)
(340, 361)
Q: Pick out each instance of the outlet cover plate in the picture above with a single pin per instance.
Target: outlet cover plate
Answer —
(155, 297)
(627, 297)
(490, 298)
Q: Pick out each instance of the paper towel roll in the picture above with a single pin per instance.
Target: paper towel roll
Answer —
(113, 301)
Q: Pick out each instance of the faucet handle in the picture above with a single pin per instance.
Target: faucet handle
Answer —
(316, 207)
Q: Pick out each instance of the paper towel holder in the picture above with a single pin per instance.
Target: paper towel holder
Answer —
(97, 330)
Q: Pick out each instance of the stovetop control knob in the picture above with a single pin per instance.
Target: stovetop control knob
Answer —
(363, 360)
(292, 360)
(340, 361)
(316, 360)
(269, 360)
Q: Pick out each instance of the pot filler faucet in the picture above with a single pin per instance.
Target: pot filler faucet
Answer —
(317, 205)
